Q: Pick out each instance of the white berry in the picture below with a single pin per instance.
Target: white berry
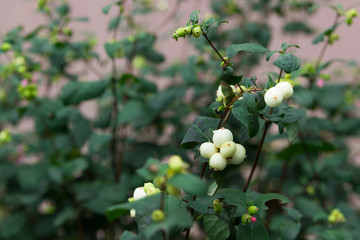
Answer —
(221, 136)
(139, 193)
(286, 89)
(217, 162)
(239, 155)
(207, 149)
(273, 97)
(228, 149)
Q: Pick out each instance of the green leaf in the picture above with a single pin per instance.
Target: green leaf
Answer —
(144, 206)
(235, 197)
(250, 120)
(292, 115)
(252, 231)
(293, 213)
(75, 92)
(263, 198)
(106, 8)
(136, 113)
(292, 131)
(211, 23)
(270, 54)
(126, 235)
(215, 228)
(113, 49)
(194, 17)
(270, 83)
(290, 231)
(249, 100)
(245, 47)
(288, 62)
(260, 102)
(74, 166)
(197, 133)
(176, 218)
(297, 27)
(189, 183)
(303, 96)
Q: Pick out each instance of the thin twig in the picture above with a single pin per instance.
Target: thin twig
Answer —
(217, 52)
(266, 126)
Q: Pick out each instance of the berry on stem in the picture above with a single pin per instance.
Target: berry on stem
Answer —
(139, 193)
(196, 31)
(253, 210)
(221, 136)
(207, 149)
(286, 89)
(158, 215)
(273, 97)
(239, 155)
(228, 149)
(217, 162)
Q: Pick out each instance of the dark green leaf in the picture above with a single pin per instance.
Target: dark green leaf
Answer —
(189, 183)
(113, 49)
(288, 62)
(245, 47)
(297, 27)
(290, 231)
(75, 92)
(249, 100)
(126, 235)
(269, 55)
(252, 231)
(176, 218)
(196, 134)
(143, 207)
(106, 8)
(211, 23)
(250, 120)
(194, 17)
(215, 228)
(263, 198)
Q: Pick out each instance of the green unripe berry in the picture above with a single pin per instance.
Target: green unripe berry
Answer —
(217, 162)
(188, 29)
(172, 190)
(181, 32)
(196, 32)
(252, 210)
(158, 215)
(245, 218)
(228, 149)
(160, 182)
(176, 163)
(147, 186)
(207, 149)
(152, 191)
(6, 46)
(217, 206)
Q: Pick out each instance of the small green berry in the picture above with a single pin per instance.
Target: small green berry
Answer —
(6, 46)
(245, 218)
(188, 29)
(147, 186)
(176, 163)
(158, 215)
(196, 32)
(253, 210)
(181, 32)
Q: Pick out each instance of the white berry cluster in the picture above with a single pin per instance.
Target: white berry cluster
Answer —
(220, 97)
(275, 95)
(142, 192)
(222, 150)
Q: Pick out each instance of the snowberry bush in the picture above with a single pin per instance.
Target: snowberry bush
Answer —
(267, 156)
